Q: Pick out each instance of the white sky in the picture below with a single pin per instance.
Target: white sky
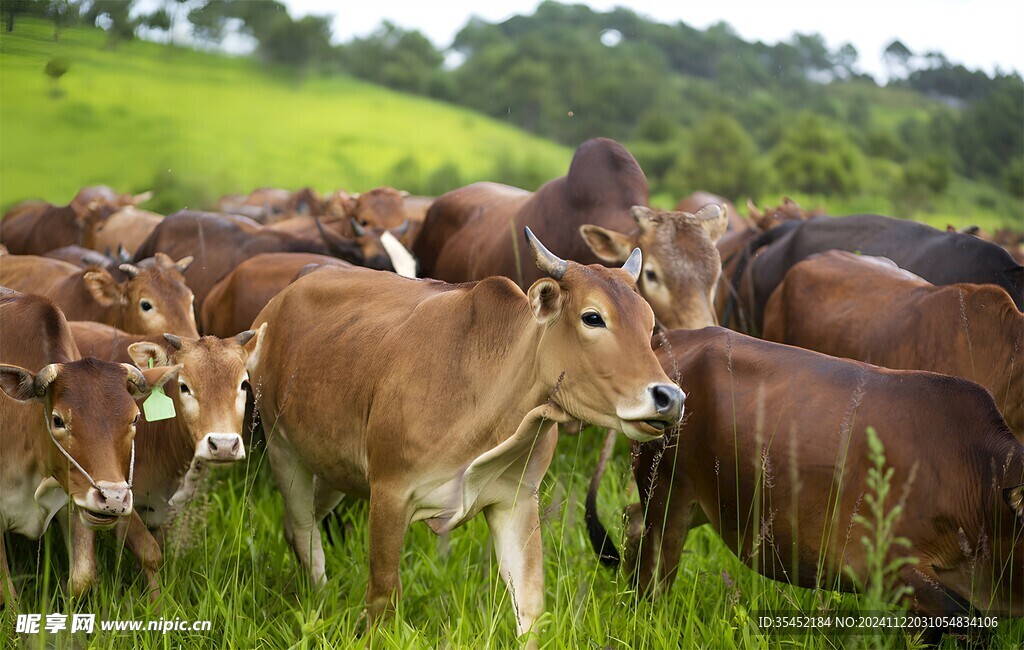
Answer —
(978, 33)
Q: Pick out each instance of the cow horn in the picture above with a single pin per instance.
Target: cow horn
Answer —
(634, 264)
(244, 337)
(123, 254)
(357, 229)
(130, 270)
(175, 341)
(184, 263)
(402, 228)
(136, 378)
(44, 378)
(544, 259)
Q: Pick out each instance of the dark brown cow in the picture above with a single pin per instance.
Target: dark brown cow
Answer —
(66, 428)
(867, 308)
(436, 401)
(267, 205)
(240, 296)
(220, 244)
(789, 210)
(35, 227)
(208, 388)
(774, 453)
(127, 228)
(595, 214)
(377, 248)
(152, 300)
(699, 199)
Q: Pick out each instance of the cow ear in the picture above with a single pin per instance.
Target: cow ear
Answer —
(1014, 497)
(143, 351)
(545, 299)
(714, 219)
(609, 246)
(138, 199)
(18, 383)
(141, 382)
(103, 287)
(253, 345)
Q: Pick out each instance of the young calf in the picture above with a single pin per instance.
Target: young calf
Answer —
(152, 300)
(67, 428)
(775, 455)
(209, 398)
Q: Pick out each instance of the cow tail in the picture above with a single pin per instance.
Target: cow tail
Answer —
(607, 554)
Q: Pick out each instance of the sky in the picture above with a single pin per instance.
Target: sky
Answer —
(986, 34)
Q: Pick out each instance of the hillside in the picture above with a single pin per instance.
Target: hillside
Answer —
(194, 126)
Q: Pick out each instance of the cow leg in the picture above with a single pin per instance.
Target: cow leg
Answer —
(134, 535)
(666, 526)
(6, 584)
(296, 483)
(81, 541)
(389, 521)
(515, 533)
(932, 599)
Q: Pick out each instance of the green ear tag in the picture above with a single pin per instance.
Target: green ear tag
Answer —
(158, 406)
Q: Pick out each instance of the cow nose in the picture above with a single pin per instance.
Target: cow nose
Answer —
(221, 447)
(110, 498)
(668, 399)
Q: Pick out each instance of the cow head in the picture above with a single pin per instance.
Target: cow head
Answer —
(211, 388)
(90, 412)
(382, 207)
(596, 346)
(153, 299)
(681, 264)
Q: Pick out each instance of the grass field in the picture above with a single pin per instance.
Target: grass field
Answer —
(195, 126)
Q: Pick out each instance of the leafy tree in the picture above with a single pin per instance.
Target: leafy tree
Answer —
(818, 158)
(295, 42)
(393, 57)
(722, 159)
(897, 59)
(56, 68)
(117, 14)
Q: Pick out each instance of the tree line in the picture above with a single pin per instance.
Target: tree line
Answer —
(700, 108)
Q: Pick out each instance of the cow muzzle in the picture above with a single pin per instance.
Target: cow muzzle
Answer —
(220, 448)
(661, 408)
(104, 504)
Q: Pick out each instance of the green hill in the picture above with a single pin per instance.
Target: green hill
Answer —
(193, 126)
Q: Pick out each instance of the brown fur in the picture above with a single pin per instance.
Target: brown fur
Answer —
(870, 310)
(93, 294)
(700, 198)
(799, 461)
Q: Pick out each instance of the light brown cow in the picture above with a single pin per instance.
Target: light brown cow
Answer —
(66, 428)
(595, 214)
(127, 228)
(208, 388)
(869, 309)
(238, 298)
(700, 198)
(153, 299)
(775, 454)
(436, 402)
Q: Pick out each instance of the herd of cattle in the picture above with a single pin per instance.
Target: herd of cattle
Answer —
(438, 399)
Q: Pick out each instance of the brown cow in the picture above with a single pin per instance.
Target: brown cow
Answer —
(35, 227)
(220, 244)
(152, 300)
(79, 445)
(127, 228)
(240, 296)
(172, 455)
(595, 214)
(789, 210)
(700, 198)
(436, 401)
(267, 205)
(381, 247)
(781, 472)
(869, 309)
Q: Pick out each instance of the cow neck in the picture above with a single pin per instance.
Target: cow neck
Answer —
(519, 385)
(165, 450)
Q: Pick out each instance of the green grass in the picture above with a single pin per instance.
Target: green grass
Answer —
(146, 115)
(229, 563)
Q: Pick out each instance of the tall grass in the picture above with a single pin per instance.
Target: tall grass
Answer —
(228, 562)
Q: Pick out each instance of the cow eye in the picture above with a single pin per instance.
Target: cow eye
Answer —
(136, 420)
(185, 390)
(58, 422)
(650, 275)
(245, 385)
(593, 319)
(146, 305)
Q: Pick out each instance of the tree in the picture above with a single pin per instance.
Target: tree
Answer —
(56, 68)
(897, 59)
(116, 14)
(722, 159)
(818, 158)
